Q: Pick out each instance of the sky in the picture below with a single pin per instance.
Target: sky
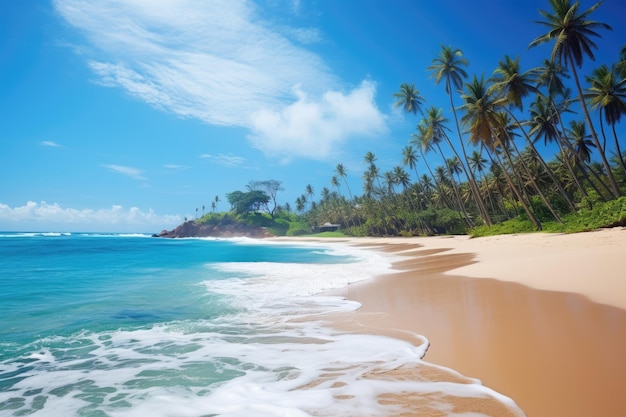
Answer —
(128, 115)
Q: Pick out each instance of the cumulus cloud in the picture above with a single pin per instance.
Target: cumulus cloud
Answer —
(45, 217)
(128, 171)
(313, 129)
(225, 63)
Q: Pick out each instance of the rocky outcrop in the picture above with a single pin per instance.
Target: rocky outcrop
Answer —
(192, 229)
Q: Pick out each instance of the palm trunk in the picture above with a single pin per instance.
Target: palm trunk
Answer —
(532, 181)
(618, 149)
(462, 208)
(543, 163)
(515, 191)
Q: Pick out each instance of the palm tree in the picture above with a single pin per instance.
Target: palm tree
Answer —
(342, 172)
(409, 98)
(425, 140)
(551, 75)
(300, 204)
(448, 66)
(544, 124)
(581, 141)
(607, 94)
(571, 32)
(482, 121)
(410, 158)
(308, 190)
(435, 131)
(478, 164)
(513, 85)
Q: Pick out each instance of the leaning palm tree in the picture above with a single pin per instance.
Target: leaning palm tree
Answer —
(582, 146)
(607, 94)
(436, 130)
(449, 66)
(571, 32)
(513, 85)
(478, 164)
(485, 128)
(544, 125)
(425, 143)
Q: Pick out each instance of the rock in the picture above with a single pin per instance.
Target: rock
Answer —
(192, 229)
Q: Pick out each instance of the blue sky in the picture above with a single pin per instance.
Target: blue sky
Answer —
(127, 115)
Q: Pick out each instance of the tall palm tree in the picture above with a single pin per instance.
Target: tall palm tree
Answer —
(425, 143)
(410, 159)
(409, 98)
(334, 182)
(482, 120)
(449, 66)
(543, 125)
(436, 129)
(342, 172)
(607, 94)
(478, 164)
(550, 76)
(581, 140)
(308, 190)
(571, 32)
(513, 85)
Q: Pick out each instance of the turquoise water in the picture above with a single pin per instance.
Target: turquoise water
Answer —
(128, 325)
(58, 284)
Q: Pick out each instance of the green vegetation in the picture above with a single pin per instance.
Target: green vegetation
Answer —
(524, 150)
(605, 214)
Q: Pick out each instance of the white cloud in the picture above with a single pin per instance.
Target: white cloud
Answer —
(230, 161)
(52, 217)
(314, 129)
(175, 167)
(128, 171)
(50, 143)
(221, 62)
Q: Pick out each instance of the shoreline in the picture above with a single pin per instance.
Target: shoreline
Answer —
(539, 318)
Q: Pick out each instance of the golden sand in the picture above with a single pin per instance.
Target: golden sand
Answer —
(540, 318)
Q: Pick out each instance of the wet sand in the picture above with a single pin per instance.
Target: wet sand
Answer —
(539, 318)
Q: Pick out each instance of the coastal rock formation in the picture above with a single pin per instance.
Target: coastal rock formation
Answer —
(192, 229)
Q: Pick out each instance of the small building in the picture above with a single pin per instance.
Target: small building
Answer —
(327, 227)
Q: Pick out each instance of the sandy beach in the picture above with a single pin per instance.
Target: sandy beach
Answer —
(540, 318)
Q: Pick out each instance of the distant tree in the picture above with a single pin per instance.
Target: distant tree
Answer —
(252, 201)
(270, 188)
(203, 210)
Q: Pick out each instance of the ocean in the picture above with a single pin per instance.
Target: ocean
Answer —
(108, 325)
